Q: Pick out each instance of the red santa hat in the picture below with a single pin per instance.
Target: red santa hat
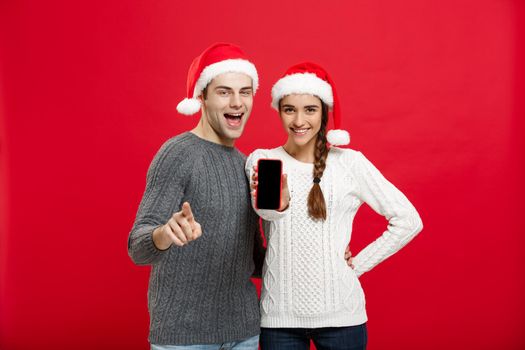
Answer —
(310, 78)
(217, 59)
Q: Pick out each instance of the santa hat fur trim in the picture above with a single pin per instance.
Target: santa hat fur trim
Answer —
(215, 60)
(302, 83)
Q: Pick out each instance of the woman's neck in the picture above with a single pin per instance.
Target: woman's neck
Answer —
(303, 153)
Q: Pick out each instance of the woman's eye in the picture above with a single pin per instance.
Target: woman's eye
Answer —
(288, 110)
(311, 110)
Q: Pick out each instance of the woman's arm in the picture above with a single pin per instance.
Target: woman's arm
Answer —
(383, 197)
(266, 214)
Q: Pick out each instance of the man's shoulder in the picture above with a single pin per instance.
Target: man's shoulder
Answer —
(183, 146)
(239, 154)
(179, 141)
(180, 151)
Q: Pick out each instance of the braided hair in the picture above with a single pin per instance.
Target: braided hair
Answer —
(316, 202)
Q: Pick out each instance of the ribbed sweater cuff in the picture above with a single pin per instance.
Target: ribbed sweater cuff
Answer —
(335, 320)
(144, 250)
(219, 337)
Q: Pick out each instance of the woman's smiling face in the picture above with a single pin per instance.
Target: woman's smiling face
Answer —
(301, 116)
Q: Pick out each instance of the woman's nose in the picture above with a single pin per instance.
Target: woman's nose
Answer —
(298, 120)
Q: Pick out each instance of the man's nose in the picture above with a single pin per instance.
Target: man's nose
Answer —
(235, 100)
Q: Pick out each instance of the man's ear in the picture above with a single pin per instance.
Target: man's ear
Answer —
(202, 96)
(202, 100)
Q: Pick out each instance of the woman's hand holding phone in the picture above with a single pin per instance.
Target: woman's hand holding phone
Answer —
(285, 197)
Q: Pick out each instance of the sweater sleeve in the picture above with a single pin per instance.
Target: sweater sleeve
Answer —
(259, 252)
(265, 214)
(163, 195)
(384, 198)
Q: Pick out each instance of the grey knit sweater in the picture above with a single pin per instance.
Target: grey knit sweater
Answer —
(200, 293)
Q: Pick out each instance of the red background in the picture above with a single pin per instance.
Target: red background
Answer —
(433, 94)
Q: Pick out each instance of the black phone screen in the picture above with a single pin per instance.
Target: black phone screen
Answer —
(269, 184)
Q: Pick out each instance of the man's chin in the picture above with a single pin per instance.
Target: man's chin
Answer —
(229, 137)
(234, 133)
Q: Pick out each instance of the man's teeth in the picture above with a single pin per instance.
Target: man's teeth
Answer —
(233, 115)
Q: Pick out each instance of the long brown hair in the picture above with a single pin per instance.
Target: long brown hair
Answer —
(316, 202)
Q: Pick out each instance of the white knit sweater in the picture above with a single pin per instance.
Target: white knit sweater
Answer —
(306, 281)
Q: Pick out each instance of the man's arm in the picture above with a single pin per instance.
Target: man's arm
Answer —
(180, 229)
(156, 224)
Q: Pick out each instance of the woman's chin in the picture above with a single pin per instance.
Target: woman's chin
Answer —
(300, 141)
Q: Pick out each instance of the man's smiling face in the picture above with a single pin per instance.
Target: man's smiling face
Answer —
(227, 106)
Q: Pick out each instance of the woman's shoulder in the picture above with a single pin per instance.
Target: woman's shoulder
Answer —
(346, 156)
(265, 153)
(353, 161)
(258, 154)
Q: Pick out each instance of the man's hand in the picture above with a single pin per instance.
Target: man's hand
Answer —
(180, 229)
(285, 193)
(348, 257)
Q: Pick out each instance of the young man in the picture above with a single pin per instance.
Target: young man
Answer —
(195, 225)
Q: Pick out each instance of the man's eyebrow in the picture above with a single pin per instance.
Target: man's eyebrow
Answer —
(229, 88)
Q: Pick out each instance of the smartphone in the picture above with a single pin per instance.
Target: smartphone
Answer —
(269, 184)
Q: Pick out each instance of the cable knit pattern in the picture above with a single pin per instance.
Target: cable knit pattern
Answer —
(307, 287)
(306, 281)
(200, 293)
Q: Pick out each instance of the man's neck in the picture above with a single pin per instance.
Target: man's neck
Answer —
(206, 132)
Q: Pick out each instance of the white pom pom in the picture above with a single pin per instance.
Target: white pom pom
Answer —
(338, 137)
(189, 106)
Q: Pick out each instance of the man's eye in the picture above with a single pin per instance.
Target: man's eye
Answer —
(246, 93)
(223, 92)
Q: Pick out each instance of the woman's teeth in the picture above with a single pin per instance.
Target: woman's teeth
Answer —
(300, 131)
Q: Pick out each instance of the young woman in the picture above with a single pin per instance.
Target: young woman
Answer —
(309, 291)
